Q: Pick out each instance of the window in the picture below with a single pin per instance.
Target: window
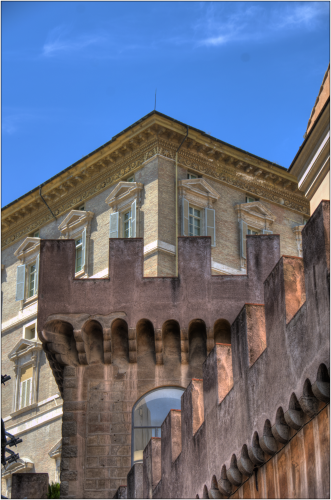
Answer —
(148, 415)
(26, 386)
(130, 179)
(252, 231)
(127, 224)
(32, 280)
(30, 332)
(79, 255)
(305, 221)
(194, 222)
(249, 199)
(35, 234)
(123, 225)
(81, 207)
(192, 176)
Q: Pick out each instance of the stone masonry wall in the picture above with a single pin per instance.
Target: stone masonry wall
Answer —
(268, 388)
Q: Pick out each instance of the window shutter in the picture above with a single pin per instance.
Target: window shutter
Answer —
(28, 391)
(20, 282)
(113, 225)
(133, 219)
(185, 210)
(243, 233)
(23, 393)
(83, 247)
(266, 231)
(210, 225)
(37, 274)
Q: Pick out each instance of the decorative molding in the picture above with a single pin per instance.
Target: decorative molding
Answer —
(37, 421)
(24, 347)
(123, 195)
(160, 246)
(29, 312)
(255, 214)
(55, 451)
(22, 465)
(198, 192)
(75, 220)
(105, 168)
(222, 268)
(28, 249)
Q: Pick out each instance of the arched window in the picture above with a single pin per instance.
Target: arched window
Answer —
(148, 415)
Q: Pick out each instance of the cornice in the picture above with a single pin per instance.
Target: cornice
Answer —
(114, 162)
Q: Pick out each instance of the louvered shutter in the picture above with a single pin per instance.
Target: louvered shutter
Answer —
(37, 274)
(243, 233)
(266, 231)
(210, 225)
(133, 219)
(20, 282)
(83, 247)
(113, 225)
(23, 393)
(185, 216)
(28, 391)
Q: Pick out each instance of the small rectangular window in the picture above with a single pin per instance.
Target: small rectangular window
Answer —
(79, 255)
(36, 234)
(130, 179)
(192, 176)
(194, 222)
(32, 280)
(252, 231)
(249, 199)
(81, 207)
(127, 224)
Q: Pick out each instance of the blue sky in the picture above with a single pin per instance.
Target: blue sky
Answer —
(76, 73)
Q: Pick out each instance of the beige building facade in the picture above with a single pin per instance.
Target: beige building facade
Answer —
(311, 164)
(127, 188)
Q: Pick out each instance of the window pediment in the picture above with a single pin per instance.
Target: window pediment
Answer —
(255, 214)
(24, 347)
(29, 246)
(56, 451)
(123, 193)
(198, 191)
(74, 220)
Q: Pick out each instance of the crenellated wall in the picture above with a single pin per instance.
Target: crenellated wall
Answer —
(259, 417)
(109, 341)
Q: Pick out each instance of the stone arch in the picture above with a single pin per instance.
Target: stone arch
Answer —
(222, 332)
(145, 345)
(197, 336)
(93, 341)
(120, 343)
(171, 345)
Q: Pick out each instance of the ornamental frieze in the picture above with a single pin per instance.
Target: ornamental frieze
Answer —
(132, 161)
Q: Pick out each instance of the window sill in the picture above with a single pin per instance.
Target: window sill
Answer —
(30, 300)
(23, 410)
(80, 274)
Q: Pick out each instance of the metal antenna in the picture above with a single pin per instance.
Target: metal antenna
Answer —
(155, 100)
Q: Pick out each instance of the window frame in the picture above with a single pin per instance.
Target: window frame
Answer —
(125, 221)
(147, 427)
(28, 293)
(200, 218)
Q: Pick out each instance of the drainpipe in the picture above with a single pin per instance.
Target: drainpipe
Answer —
(176, 188)
(45, 202)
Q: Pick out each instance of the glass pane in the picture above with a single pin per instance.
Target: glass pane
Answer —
(78, 259)
(190, 230)
(155, 406)
(32, 280)
(127, 215)
(141, 438)
(191, 211)
(78, 242)
(197, 213)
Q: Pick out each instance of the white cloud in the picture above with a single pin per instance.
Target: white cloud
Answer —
(240, 21)
(59, 42)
